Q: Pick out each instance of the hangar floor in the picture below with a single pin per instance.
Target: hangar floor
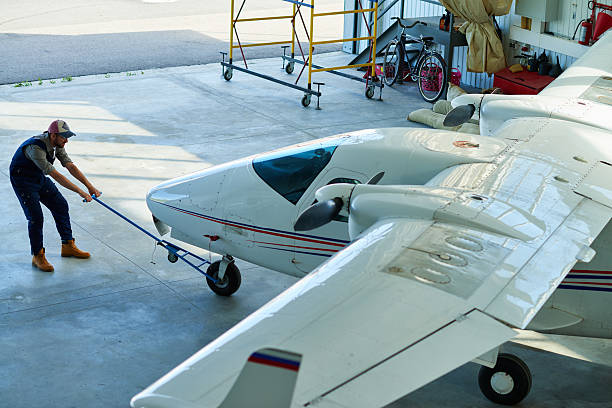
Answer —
(96, 332)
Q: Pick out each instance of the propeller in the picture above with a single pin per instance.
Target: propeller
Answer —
(162, 228)
(459, 115)
(376, 178)
(318, 214)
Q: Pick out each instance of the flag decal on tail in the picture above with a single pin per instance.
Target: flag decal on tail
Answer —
(267, 380)
(266, 359)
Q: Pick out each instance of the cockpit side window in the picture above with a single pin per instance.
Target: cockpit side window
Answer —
(344, 180)
(290, 174)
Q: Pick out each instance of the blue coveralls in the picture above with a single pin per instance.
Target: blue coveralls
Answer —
(32, 187)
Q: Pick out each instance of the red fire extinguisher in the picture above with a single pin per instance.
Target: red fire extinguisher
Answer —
(586, 28)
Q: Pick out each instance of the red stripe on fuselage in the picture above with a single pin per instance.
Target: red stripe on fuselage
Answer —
(295, 246)
(260, 231)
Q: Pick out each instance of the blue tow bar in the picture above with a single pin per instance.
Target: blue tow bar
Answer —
(173, 249)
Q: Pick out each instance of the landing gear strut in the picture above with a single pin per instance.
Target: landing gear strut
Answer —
(228, 276)
(508, 382)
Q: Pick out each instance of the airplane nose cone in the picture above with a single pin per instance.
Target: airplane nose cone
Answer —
(163, 195)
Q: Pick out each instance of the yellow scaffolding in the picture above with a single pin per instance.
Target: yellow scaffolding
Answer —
(370, 79)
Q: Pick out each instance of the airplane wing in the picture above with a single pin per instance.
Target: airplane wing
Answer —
(591, 349)
(589, 77)
(437, 276)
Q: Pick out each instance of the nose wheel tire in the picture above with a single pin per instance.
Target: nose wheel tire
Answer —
(508, 383)
(172, 257)
(230, 282)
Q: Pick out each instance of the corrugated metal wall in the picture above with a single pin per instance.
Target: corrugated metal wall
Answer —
(569, 15)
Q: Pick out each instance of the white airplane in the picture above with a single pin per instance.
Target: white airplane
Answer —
(455, 243)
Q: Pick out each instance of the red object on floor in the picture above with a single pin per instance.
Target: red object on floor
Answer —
(521, 83)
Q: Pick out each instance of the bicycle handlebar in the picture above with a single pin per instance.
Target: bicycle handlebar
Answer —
(399, 21)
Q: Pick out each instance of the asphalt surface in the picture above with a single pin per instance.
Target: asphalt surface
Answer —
(47, 40)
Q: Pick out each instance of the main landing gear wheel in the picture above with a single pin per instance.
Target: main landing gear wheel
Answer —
(289, 68)
(508, 382)
(306, 100)
(230, 282)
(227, 74)
(369, 93)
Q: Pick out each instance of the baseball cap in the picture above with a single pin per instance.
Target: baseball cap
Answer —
(61, 128)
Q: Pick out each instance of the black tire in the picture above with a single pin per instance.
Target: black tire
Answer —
(227, 74)
(230, 283)
(289, 68)
(369, 93)
(431, 76)
(172, 257)
(306, 100)
(513, 380)
(391, 63)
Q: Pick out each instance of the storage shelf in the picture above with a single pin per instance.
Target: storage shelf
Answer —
(547, 41)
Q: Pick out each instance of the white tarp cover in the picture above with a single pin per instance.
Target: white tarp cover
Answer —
(485, 53)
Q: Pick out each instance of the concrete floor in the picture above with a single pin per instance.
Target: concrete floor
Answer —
(96, 332)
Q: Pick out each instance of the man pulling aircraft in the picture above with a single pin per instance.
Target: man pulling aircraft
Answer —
(30, 165)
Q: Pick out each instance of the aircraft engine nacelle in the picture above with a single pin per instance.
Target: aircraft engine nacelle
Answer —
(494, 110)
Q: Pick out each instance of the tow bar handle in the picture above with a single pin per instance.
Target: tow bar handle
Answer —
(125, 218)
(175, 249)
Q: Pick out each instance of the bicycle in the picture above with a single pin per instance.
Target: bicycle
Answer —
(423, 64)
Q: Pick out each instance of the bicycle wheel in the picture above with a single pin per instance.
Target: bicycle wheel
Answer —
(431, 76)
(391, 63)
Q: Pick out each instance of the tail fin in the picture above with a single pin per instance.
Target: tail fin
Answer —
(266, 381)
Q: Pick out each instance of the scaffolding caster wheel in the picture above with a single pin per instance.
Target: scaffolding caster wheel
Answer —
(228, 74)
(289, 67)
(172, 257)
(369, 93)
(306, 100)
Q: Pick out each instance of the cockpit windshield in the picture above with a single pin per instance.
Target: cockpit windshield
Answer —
(290, 173)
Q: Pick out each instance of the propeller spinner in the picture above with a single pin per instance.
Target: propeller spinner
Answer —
(318, 214)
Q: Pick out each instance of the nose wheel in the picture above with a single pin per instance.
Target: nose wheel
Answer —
(230, 278)
(172, 257)
(508, 383)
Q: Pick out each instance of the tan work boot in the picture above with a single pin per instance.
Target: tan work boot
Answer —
(70, 249)
(41, 262)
